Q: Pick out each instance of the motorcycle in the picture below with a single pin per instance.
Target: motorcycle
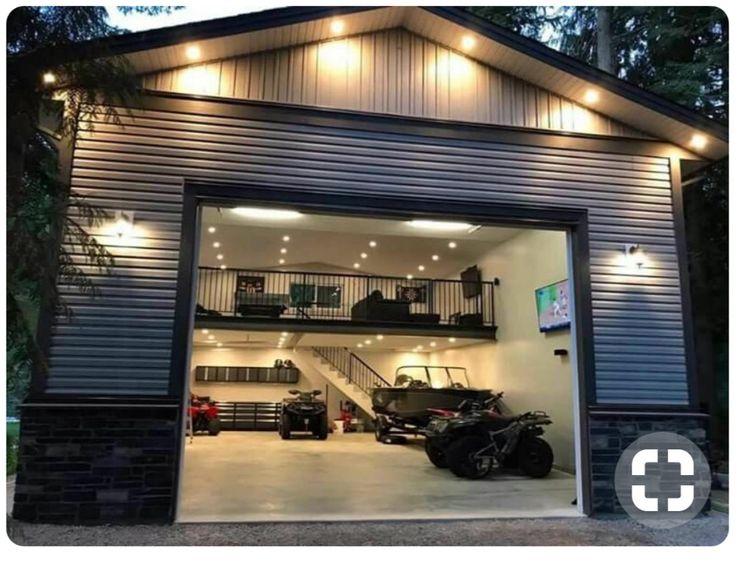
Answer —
(480, 435)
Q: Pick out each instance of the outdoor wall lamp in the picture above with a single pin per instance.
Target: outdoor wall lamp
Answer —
(634, 255)
(123, 225)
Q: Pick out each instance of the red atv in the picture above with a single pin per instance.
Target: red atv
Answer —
(205, 415)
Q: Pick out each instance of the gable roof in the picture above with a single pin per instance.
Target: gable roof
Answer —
(525, 58)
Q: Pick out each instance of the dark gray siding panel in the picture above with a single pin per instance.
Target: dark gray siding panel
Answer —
(121, 341)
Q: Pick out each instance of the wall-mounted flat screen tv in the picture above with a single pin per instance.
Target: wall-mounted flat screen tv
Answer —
(471, 282)
(553, 306)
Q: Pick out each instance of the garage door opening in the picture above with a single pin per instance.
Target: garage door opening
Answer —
(386, 319)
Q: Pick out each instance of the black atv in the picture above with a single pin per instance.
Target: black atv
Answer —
(469, 442)
(303, 413)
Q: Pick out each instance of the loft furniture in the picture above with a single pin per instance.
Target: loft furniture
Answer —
(250, 304)
(270, 375)
(249, 415)
(375, 307)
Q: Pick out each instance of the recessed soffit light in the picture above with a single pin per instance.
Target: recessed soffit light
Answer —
(266, 213)
(698, 141)
(193, 53)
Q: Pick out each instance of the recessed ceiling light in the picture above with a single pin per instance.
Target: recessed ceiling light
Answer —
(284, 334)
(432, 344)
(360, 345)
(372, 244)
(193, 53)
(337, 26)
(452, 244)
(468, 42)
(211, 229)
(219, 344)
(440, 225)
(435, 257)
(282, 261)
(368, 341)
(452, 339)
(220, 257)
(216, 244)
(421, 268)
(266, 213)
(284, 251)
(409, 276)
(205, 331)
(48, 78)
(698, 141)
(223, 266)
(379, 337)
(211, 337)
(356, 265)
(364, 255)
(591, 96)
(419, 347)
(286, 238)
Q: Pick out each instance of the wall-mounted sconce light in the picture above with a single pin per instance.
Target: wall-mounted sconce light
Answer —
(123, 224)
(634, 255)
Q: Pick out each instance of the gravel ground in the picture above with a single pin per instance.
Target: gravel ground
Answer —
(705, 531)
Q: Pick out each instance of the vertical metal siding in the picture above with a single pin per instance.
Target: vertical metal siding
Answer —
(393, 72)
(121, 341)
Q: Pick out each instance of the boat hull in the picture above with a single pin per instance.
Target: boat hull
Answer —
(412, 404)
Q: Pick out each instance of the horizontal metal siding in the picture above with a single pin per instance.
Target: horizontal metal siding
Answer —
(393, 72)
(121, 341)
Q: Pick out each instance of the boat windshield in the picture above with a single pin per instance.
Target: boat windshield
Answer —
(431, 377)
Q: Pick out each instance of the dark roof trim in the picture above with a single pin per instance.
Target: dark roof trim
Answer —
(243, 23)
(582, 70)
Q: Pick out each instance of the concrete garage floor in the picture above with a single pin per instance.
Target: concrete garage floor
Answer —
(256, 476)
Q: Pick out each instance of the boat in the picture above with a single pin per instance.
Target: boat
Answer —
(406, 407)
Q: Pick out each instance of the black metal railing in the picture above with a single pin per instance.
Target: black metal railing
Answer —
(320, 296)
(352, 367)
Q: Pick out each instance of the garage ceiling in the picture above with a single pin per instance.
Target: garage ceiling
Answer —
(335, 244)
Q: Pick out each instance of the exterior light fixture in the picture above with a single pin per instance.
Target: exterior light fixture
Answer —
(123, 225)
(467, 42)
(698, 141)
(435, 257)
(337, 26)
(266, 213)
(440, 225)
(211, 229)
(591, 96)
(48, 78)
(452, 244)
(372, 244)
(634, 255)
(193, 53)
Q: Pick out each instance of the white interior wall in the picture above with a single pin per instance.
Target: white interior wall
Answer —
(521, 362)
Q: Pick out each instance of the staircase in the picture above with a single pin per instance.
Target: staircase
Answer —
(348, 373)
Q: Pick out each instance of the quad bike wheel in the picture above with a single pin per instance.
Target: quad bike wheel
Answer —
(461, 458)
(436, 455)
(535, 457)
(324, 429)
(381, 429)
(285, 428)
(213, 427)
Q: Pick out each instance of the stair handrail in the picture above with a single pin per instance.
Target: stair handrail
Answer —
(352, 356)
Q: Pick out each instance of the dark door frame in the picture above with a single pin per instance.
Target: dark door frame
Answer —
(572, 220)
